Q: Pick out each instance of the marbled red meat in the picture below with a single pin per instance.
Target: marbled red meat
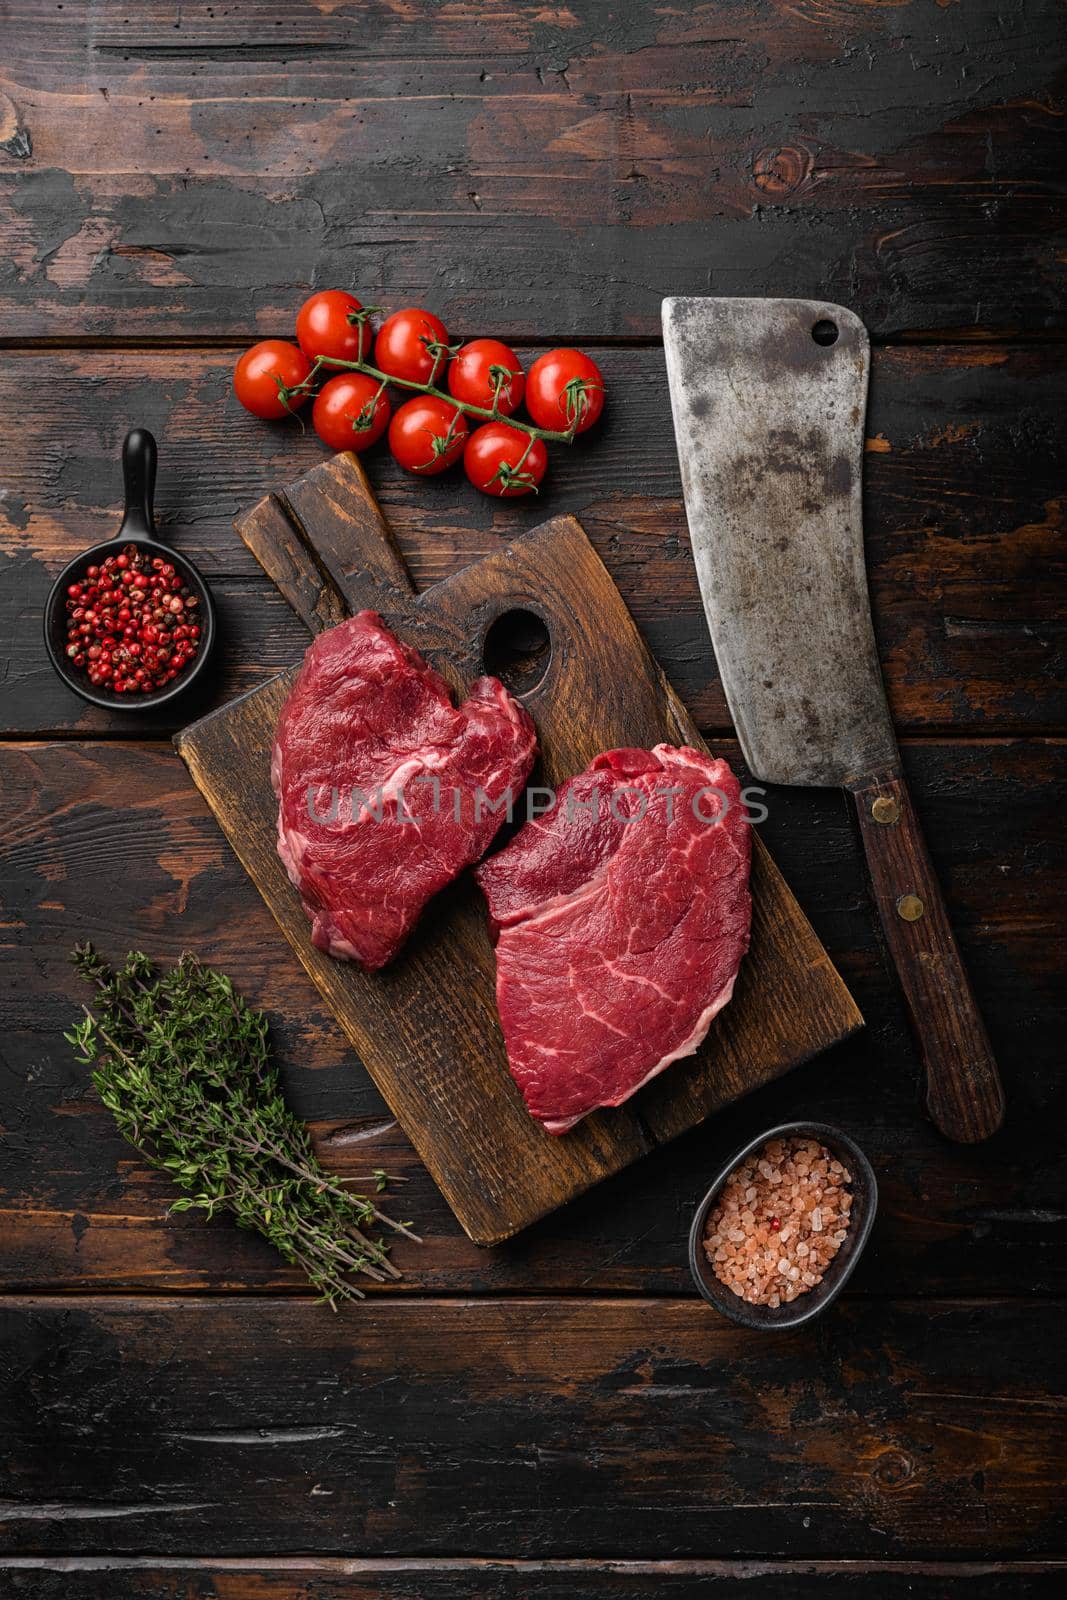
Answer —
(618, 934)
(386, 790)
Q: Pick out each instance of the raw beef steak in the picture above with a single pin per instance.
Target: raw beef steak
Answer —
(386, 790)
(620, 917)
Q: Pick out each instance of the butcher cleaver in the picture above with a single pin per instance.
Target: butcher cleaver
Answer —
(769, 398)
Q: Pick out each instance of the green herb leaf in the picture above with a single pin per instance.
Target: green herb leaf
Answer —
(184, 1067)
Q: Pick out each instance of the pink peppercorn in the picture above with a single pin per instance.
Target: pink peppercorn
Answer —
(128, 599)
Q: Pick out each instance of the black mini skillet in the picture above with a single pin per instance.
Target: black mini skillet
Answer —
(138, 528)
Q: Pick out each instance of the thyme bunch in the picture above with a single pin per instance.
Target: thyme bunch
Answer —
(184, 1066)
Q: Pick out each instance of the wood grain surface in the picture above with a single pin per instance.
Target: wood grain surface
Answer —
(627, 1426)
(80, 1211)
(965, 486)
(529, 169)
(557, 1415)
(426, 1026)
(452, 1578)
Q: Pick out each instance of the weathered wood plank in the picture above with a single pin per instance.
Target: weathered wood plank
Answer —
(564, 1427)
(428, 1578)
(112, 842)
(191, 169)
(966, 474)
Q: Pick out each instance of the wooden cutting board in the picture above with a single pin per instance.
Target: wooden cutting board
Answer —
(426, 1027)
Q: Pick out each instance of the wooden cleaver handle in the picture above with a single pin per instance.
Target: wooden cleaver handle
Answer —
(963, 1091)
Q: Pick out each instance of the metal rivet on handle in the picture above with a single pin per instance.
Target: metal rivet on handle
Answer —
(885, 809)
(910, 907)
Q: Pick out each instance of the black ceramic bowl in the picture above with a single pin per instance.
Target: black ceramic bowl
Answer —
(138, 528)
(864, 1204)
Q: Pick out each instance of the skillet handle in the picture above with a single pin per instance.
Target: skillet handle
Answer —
(964, 1097)
(139, 457)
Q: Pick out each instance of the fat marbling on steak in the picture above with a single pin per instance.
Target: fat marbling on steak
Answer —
(386, 790)
(620, 918)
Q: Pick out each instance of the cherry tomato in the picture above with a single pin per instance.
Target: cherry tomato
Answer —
(265, 375)
(564, 388)
(485, 371)
(351, 412)
(427, 435)
(502, 461)
(401, 346)
(324, 328)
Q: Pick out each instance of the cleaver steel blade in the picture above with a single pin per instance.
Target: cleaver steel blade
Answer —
(769, 399)
(769, 425)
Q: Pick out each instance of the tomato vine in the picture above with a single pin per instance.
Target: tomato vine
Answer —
(386, 380)
(349, 369)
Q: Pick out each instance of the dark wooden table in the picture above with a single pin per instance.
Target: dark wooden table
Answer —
(561, 1416)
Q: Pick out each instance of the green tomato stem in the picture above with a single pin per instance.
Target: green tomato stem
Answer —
(483, 412)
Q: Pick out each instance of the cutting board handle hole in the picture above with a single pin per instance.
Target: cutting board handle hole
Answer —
(824, 331)
(517, 650)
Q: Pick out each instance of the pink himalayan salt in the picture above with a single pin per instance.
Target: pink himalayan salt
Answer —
(780, 1219)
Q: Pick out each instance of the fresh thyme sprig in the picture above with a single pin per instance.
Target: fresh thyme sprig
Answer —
(183, 1065)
